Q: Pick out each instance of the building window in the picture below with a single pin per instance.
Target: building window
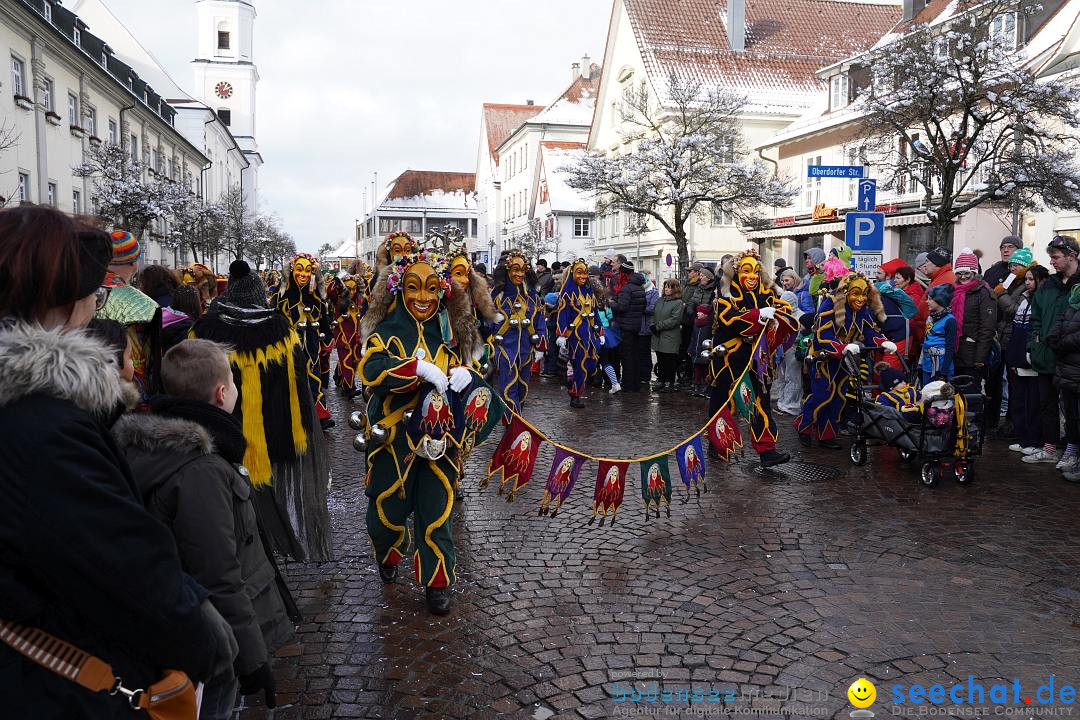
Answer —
(855, 155)
(76, 35)
(838, 91)
(223, 40)
(73, 110)
(24, 187)
(1003, 31)
(104, 59)
(226, 116)
(76, 202)
(615, 215)
(721, 216)
(91, 122)
(172, 169)
(112, 132)
(48, 10)
(18, 76)
(52, 194)
(48, 93)
(582, 227)
(135, 147)
(812, 188)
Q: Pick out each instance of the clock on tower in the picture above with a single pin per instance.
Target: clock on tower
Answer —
(223, 90)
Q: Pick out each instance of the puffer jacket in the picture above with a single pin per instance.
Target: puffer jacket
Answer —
(79, 555)
(1007, 301)
(206, 502)
(667, 319)
(701, 293)
(980, 326)
(1065, 341)
(1047, 307)
(629, 305)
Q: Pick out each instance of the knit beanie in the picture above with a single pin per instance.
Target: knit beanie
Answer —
(966, 262)
(890, 377)
(1021, 257)
(940, 256)
(816, 255)
(626, 266)
(125, 248)
(95, 254)
(245, 288)
(1014, 240)
(920, 259)
(942, 295)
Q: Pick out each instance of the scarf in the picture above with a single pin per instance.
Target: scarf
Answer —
(225, 429)
(958, 302)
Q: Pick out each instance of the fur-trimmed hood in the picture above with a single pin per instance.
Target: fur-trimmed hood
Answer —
(159, 434)
(64, 364)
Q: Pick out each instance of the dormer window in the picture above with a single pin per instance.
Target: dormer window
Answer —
(1003, 31)
(48, 10)
(76, 35)
(223, 40)
(104, 59)
(838, 91)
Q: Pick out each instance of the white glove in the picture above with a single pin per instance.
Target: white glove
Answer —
(602, 340)
(499, 317)
(431, 373)
(888, 346)
(537, 356)
(766, 314)
(560, 342)
(852, 348)
(460, 378)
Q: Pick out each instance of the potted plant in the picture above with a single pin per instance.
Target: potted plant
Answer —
(24, 102)
(77, 131)
(52, 117)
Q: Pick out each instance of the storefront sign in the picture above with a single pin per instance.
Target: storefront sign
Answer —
(783, 222)
(823, 213)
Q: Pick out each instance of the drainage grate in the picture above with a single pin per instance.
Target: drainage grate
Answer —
(806, 472)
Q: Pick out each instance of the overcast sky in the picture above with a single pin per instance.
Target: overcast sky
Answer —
(351, 87)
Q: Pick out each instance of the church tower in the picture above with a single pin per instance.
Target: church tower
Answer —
(225, 76)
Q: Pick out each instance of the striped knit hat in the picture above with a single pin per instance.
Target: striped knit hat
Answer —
(126, 248)
(966, 262)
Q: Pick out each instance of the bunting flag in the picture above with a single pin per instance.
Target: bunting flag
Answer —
(760, 359)
(515, 457)
(565, 469)
(724, 434)
(691, 461)
(656, 485)
(743, 397)
(610, 487)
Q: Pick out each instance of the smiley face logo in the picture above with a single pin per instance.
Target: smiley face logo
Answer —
(862, 693)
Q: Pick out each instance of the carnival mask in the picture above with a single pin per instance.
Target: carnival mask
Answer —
(515, 268)
(421, 291)
(581, 274)
(748, 274)
(460, 270)
(399, 245)
(856, 294)
(189, 278)
(302, 269)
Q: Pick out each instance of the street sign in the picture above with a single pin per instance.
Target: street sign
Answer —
(844, 172)
(668, 260)
(866, 263)
(867, 194)
(864, 231)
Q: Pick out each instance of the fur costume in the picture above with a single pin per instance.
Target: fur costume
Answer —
(347, 331)
(308, 313)
(516, 338)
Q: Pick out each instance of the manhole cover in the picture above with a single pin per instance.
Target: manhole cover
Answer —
(807, 472)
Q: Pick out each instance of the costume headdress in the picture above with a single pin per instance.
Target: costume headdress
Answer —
(126, 249)
(752, 257)
(873, 297)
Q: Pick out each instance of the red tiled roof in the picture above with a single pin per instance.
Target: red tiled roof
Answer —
(414, 183)
(786, 40)
(583, 88)
(502, 120)
(560, 145)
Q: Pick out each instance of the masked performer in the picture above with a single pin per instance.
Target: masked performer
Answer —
(519, 335)
(302, 299)
(476, 290)
(202, 279)
(740, 355)
(347, 332)
(848, 317)
(286, 456)
(579, 329)
(411, 354)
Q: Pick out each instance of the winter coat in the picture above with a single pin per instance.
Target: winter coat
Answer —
(996, 273)
(667, 320)
(545, 282)
(652, 295)
(1064, 339)
(79, 555)
(979, 328)
(944, 276)
(1047, 307)
(700, 294)
(206, 502)
(805, 299)
(898, 310)
(629, 305)
(1007, 302)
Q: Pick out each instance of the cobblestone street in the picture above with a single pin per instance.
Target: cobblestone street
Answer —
(792, 584)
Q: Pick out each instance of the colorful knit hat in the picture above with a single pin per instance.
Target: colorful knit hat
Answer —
(966, 262)
(126, 249)
(1022, 257)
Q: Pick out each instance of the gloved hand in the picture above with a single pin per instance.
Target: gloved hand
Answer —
(561, 342)
(460, 378)
(852, 348)
(766, 314)
(602, 340)
(225, 647)
(260, 679)
(499, 318)
(538, 356)
(888, 346)
(432, 374)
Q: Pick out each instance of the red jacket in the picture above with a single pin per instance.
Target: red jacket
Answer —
(944, 276)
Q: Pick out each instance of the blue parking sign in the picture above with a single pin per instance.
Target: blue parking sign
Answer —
(865, 231)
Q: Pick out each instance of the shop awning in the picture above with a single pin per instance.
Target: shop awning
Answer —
(812, 228)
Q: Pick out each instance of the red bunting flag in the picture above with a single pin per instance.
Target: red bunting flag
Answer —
(610, 486)
(724, 434)
(514, 458)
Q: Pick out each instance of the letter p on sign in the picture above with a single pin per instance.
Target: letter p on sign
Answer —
(864, 231)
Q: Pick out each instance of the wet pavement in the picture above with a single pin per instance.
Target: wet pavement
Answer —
(772, 592)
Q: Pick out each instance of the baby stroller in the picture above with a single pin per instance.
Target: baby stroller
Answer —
(944, 439)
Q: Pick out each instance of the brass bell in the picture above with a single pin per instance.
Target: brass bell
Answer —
(356, 420)
(486, 370)
(408, 415)
(379, 434)
(307, 309)
(706, 354)
(534, 339)
(517, 306)
(498, 338)
(359, 443)
(514, 322)
(706, 344)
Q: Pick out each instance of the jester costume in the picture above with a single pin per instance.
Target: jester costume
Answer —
(579, 329)
(347, 332)
(519, 335)
(475, 288)
(302, 299)
(413, 364)
(750, 323)
(849, 316)
(202, 279)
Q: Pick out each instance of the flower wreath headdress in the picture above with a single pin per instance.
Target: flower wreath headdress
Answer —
(401, 266)
(516, 255)
(315, 264)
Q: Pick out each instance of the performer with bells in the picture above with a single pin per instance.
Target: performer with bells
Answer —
(579, 329)
(520, 333)
(738, 364)
(849, 317)
(416, 332)
(302, 299)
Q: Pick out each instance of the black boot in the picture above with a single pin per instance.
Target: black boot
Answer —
(438, 600)
(830, 444)
(388, 573)
(576, 402)
(805, 440)
(769, 458)
(327, 423)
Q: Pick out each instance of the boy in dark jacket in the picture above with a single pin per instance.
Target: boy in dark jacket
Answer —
(186, 461)
(629, 308)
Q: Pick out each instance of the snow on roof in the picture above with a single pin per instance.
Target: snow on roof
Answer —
(577, 103)
(127, 49)
(430, 189)
(346, 249)
(562, 197)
